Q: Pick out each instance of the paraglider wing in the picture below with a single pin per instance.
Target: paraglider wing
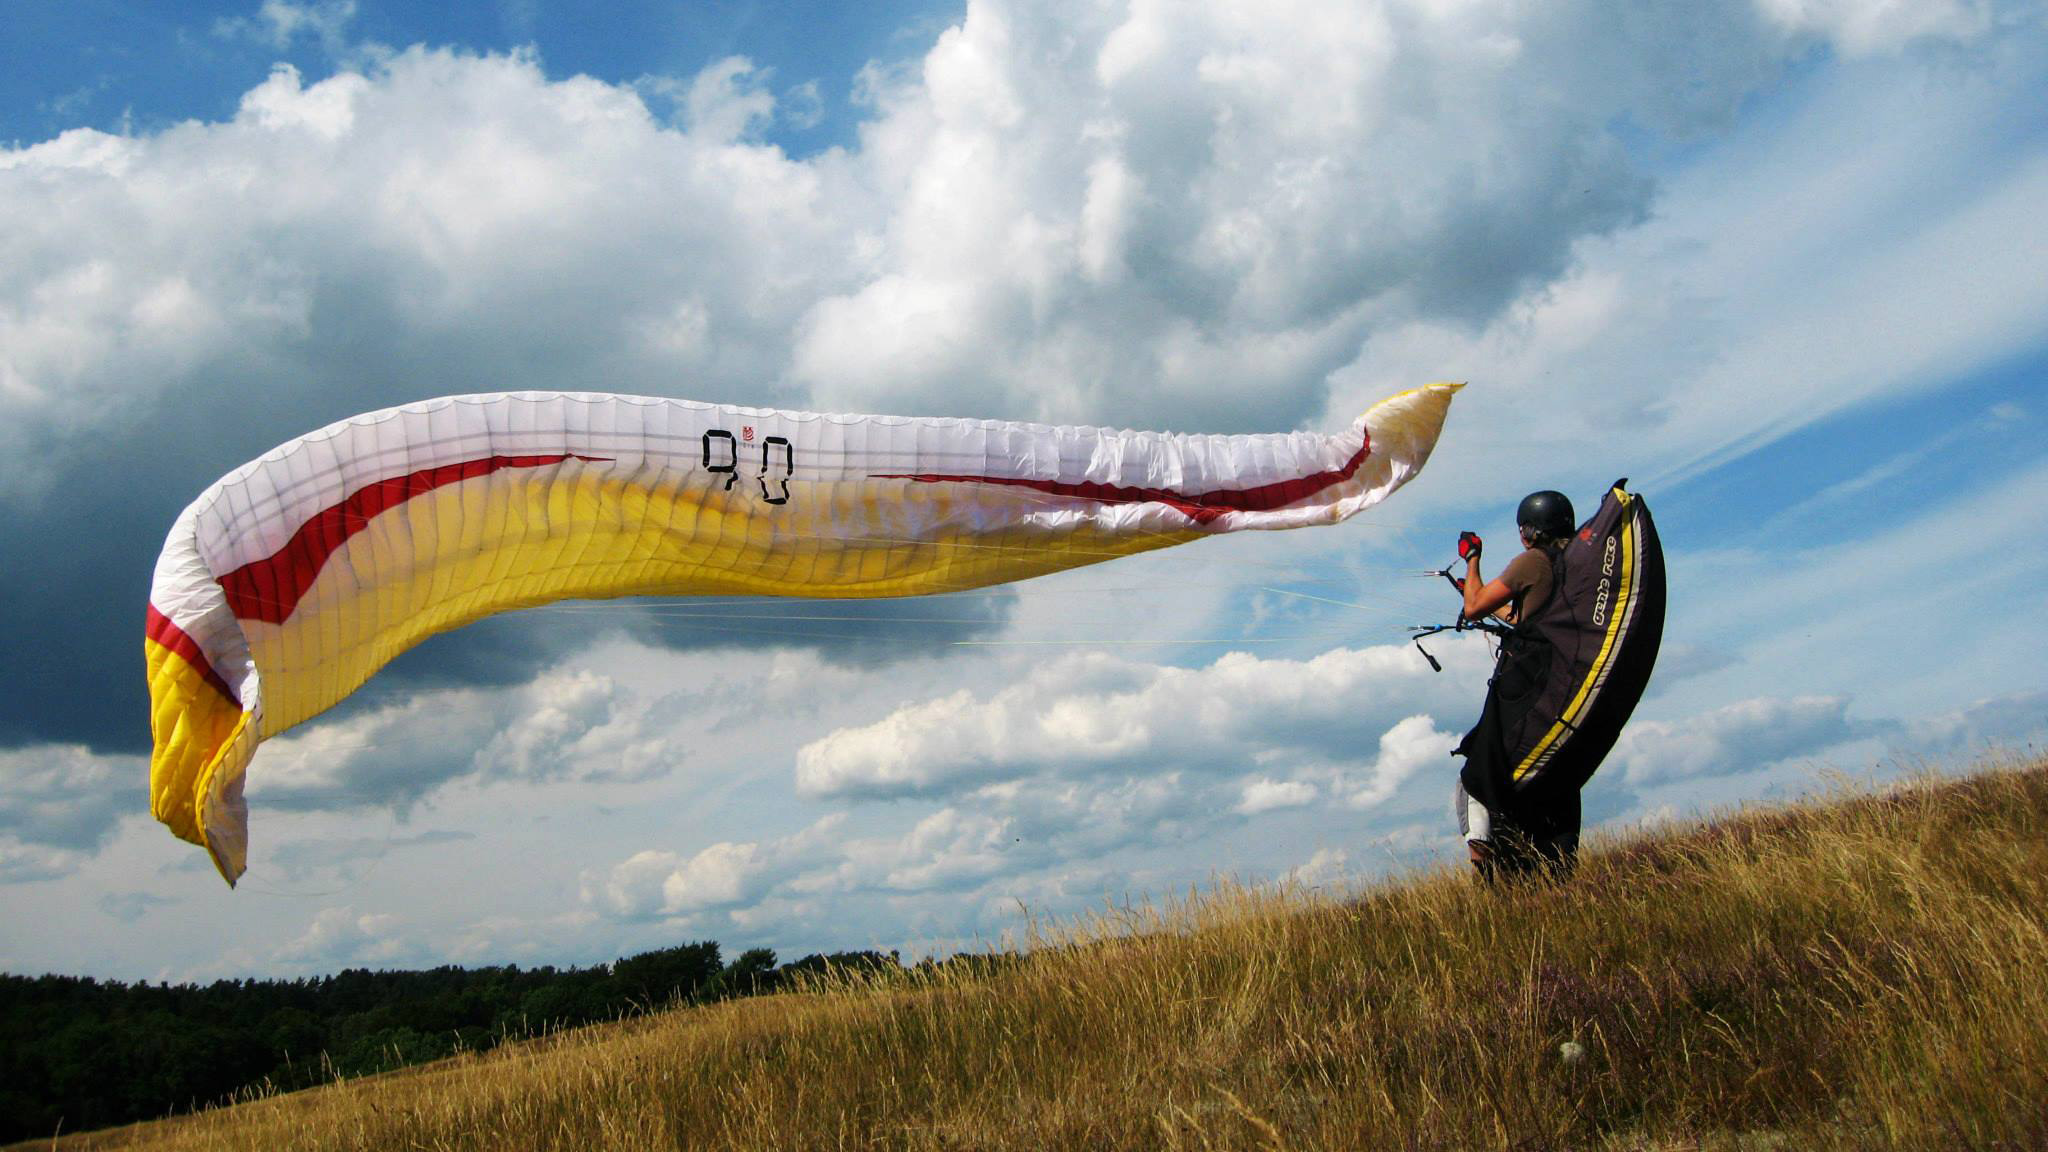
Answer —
(290, 581)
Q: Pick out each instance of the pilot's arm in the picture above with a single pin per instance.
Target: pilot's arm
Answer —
(1485, 598)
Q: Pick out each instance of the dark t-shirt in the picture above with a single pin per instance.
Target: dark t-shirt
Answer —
(1528, 577)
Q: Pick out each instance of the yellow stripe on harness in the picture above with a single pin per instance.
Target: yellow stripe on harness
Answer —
(1569, 719)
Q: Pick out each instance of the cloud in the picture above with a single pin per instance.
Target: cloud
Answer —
(1405, 750)
(994, 839)
(560, 726)
(727, 101)
(23, 862)
(1861, 27)
(280, 23)
(990, 837)
(1925, 577)
(1264, 795)
(1812, 245)
(129, 907)
(1094, 713)
(298, 859)
(2012, 723)
(436, 222)
(1326, 866)
(722, 876)
(338, 937)
(1200, 205)
(803, 106)
(950, 850)
(1744, 737)
(59, 804)
(1683, 661)
(1897, 472)
(1059, 822)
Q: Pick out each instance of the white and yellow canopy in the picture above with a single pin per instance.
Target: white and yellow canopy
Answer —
(294, 578)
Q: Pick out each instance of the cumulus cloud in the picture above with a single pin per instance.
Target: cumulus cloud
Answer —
(1039, 823)
(436, 222)
(1739, 738)
(1865, 26)
(2013, 723)
(951, 849)
(998, 838)
(1067, 821)
(561, 726)
(1175, 207)
(1405, 750)
(1264, 795)
(340, 936)
(1095, 713)
(1326, 866)
(24, 861)
(725, 875)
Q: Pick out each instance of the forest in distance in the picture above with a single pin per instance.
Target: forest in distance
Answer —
(78, 1053)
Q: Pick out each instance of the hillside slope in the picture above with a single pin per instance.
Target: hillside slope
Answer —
(1872, 971)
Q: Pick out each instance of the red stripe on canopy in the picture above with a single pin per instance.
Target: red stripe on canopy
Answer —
(1201, 507)
(270, 588)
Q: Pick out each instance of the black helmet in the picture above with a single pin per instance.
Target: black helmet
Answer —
(1549, 513)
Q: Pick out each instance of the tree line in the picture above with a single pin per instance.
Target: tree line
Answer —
(80, 1053)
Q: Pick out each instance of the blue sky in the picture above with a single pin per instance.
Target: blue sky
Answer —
(1778, 261)
(110, 64)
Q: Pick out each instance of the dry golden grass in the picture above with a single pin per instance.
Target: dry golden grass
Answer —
(1868, 972)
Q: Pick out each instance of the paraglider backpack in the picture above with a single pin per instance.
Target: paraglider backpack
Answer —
(1569, 676)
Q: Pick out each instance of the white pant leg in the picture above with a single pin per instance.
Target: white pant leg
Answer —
(1474, 821)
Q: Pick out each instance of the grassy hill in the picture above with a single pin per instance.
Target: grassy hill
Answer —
(1867, 972)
